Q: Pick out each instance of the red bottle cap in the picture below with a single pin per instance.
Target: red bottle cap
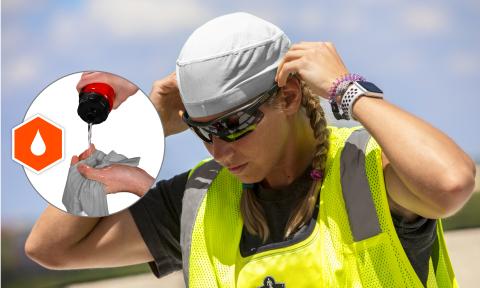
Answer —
(103, 89)
(95, 102)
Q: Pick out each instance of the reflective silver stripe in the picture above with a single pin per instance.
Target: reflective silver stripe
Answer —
(195, 191)
(355, 188)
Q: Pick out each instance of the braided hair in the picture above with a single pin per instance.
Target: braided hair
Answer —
(251, 210)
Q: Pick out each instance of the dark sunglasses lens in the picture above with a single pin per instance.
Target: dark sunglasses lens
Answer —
(232, 122)
(239, 134)
(232, 128)
(245, 124)
(204, 135)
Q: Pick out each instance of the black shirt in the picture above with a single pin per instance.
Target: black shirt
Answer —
(157, 216)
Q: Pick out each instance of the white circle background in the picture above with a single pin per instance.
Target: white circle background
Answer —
(134, 129)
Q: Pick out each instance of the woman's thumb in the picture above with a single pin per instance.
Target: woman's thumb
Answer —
(89, 172)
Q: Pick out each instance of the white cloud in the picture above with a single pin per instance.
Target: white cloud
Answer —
(474, 4)
(351, 21)
(262, 9)
(426, 19)
(22, 5)
(463, 63)
(124, 18)
(310, 18)
(315, 17)
(11, 36)
(23, 70)
(405, 61)
(65, 29)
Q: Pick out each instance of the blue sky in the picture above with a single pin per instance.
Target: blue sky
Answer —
(423, 54)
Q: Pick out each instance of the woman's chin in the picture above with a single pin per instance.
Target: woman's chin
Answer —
(249, 179)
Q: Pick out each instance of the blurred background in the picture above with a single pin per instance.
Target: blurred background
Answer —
(423, 54)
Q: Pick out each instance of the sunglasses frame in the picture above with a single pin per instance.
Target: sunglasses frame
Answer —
(251, 108)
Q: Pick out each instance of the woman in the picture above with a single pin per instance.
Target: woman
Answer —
(287, 201)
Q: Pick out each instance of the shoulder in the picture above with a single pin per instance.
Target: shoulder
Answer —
(200, 164)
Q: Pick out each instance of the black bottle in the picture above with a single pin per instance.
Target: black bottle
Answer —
(95, 102)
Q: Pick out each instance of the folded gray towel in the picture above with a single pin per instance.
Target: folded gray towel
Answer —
(82, 194)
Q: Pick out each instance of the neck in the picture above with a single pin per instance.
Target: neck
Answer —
(297, 156)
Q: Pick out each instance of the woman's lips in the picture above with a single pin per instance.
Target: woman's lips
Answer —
(237, 169)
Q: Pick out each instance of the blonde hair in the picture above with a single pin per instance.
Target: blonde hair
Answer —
(252, 212)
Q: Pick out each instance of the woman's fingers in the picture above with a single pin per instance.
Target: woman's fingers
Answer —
(296, 53)
(302, 49)
(90, 173)
(172, 80)
(317, 63)
(304, 45)
(166, 99)
(165, 86)
(287, 69)
(86, 78)
(289, 56)
(294, 57)
(85, 154)
(74, 160)
(308, 45)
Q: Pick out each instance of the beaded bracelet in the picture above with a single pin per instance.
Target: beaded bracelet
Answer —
(334, 91)
(341, 89)
(338, 88)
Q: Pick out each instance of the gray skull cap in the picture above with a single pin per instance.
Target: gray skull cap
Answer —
(228, 61)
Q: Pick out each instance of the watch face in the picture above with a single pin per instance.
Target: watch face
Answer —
(370, 87)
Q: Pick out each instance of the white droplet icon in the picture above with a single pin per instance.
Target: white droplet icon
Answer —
(38, 145)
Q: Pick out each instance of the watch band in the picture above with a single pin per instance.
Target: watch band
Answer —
(355, 91)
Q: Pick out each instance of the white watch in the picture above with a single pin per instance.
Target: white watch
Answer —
(356, 90)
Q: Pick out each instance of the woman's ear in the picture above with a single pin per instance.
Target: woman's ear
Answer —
(291, 98)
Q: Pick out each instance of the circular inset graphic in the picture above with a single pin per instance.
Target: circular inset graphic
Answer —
(123, 126)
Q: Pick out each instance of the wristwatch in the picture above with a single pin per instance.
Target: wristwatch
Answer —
(355, 90)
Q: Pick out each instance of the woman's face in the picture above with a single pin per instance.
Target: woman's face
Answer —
(252, 157)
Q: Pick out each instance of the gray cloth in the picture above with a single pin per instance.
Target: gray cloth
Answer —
(82, 194)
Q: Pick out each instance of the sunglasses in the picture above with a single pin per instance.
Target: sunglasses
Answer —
(233, 125)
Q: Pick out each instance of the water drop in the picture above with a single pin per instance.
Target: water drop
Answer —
(38, 145)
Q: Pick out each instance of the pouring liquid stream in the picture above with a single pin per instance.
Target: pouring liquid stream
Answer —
(90, 134)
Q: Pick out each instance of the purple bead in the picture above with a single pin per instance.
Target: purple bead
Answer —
(316, 174)
(349, 77)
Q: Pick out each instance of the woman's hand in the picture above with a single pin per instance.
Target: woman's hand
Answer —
(122, 87)
(317, 63)
(116, 177)
(119, 178)
(165, 96)
(85, 154)
(85, 242)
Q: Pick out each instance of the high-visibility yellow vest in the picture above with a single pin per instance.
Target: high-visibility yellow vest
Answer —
(352, 243)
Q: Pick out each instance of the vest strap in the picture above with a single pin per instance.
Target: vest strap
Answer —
(358, 199)
(195, 191)
(435, 255)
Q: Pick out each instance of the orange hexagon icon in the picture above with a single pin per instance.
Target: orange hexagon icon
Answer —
(37, 143)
